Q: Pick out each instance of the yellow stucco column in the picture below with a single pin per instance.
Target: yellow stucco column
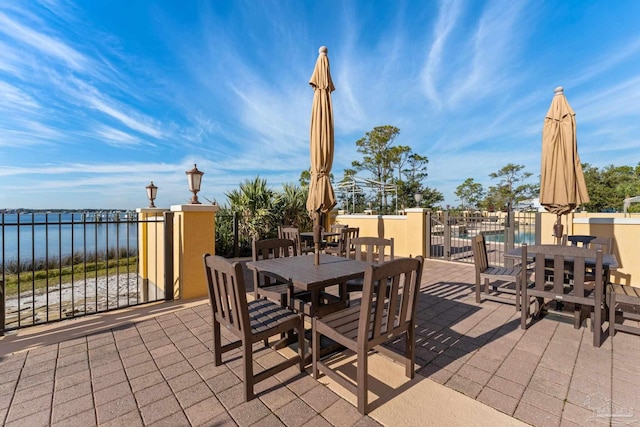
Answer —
(193, 236)
(416, 237)
(151, 252)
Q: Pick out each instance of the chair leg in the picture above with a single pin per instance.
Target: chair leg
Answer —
(363, 383)
(577, 316)
(524, 308)
(612, 313)
(518, 286)
(301, 350)
(247, 370)
(478, 285)
(597, 324)
(410, 353)
(217, 344)
(315, 348)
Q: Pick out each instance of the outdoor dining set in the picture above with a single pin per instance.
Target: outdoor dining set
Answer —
(555, 277)
(291, 293)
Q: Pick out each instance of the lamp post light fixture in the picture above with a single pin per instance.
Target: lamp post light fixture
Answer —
(194, 176)
(418, 199)
(152, 191)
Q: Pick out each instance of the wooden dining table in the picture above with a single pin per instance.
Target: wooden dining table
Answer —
(306, 276)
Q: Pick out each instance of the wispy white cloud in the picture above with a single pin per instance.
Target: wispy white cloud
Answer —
(16, 99)
(448, 14)
(495, 42)
(42, 43)
(612, 58)
(116, 137)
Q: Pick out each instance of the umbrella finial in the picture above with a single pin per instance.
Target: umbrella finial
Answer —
(558, 91)
(323, 50)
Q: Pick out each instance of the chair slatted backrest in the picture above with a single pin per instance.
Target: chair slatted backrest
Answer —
(480, 258)
(227, 294)
(372, 249)
(605, 244)
(389, 300)
(559, 259)
(291, 233)
(346, 234)
(335, 228)
(268, 249)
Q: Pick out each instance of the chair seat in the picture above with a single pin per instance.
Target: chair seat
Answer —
(501, 273)
(277, 292)
(265, 315)
(355, 285)
(344, 324)
(328, 303)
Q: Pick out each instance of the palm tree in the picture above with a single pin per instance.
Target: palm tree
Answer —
(291, 204)
(254, 201)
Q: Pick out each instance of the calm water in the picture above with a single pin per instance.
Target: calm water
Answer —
(41, 235)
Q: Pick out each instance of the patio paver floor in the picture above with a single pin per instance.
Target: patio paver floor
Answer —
(156, 369)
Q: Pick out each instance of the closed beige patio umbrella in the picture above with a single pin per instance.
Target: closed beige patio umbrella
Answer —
(562, 185)
(321, 198)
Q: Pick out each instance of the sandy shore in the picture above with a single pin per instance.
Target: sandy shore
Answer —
(72, 299)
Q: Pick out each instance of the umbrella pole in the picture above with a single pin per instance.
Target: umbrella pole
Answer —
(316, 238)
(558, 229)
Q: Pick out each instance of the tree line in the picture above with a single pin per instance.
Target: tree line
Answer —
(607, 188)
(389, 176)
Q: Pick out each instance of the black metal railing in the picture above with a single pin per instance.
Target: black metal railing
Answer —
(449, 236)
(62, 265)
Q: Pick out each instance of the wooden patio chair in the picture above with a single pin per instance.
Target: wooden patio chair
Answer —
(275, 289)
(605, 244)
(335, 228)
(493, 280)
(342, 249)
(625, 300)
(581, 292)
(250, 322)
(293, 233)
(371, 250)
(375, 321)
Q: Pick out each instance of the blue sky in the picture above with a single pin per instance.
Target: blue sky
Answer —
(100, 97)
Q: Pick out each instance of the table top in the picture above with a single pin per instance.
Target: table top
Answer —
(579, 238)
(609, 261)
(305, 275)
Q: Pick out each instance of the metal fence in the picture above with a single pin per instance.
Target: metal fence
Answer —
(56, 266)
(450, 236)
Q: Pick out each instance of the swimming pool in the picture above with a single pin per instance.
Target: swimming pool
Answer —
(528, 237)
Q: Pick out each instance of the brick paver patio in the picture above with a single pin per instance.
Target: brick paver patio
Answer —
(156, 369)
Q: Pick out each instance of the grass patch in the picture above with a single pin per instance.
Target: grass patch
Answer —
(39, 279)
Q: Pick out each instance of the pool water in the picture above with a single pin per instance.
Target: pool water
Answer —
(524, 236)
(528, 237)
